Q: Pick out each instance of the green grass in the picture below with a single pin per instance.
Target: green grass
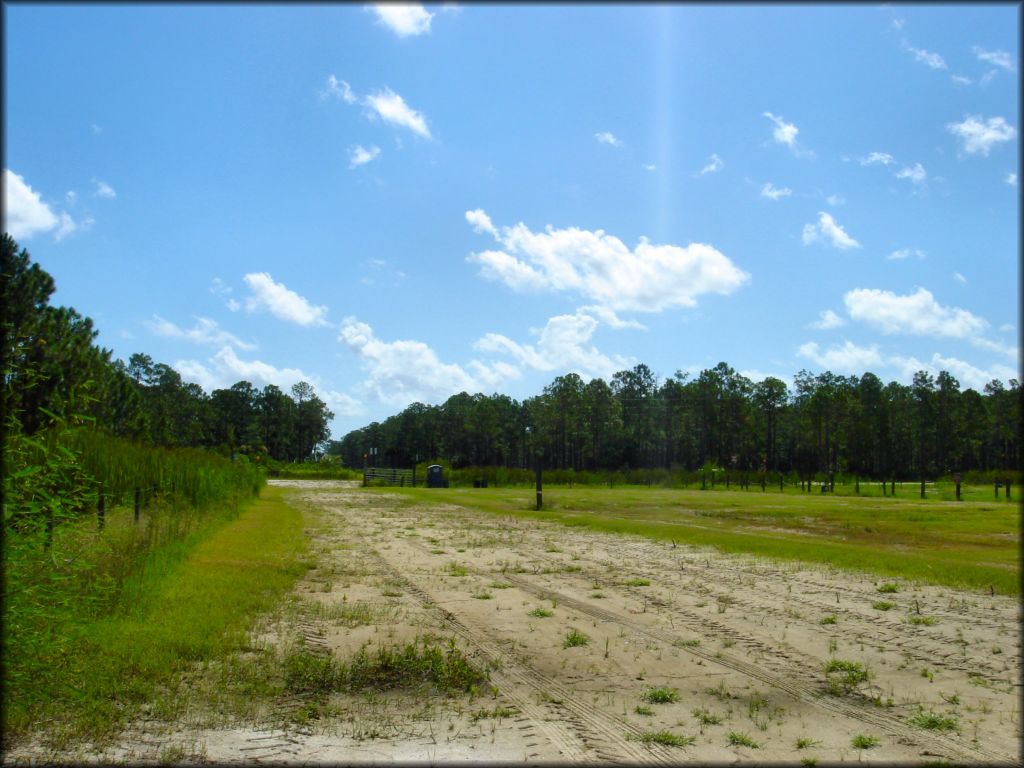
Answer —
(845, 677)
(888, 588)
(933, 721)
(540, 613)
(575, 639)
(660, 695)
(973, 543)
(190, 603)
(665, 739)
(860, 741)
(882, 605)
(736, 739)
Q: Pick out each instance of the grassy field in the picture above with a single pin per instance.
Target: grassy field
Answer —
(84, 675)
(970, 543)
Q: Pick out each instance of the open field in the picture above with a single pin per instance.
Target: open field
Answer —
(597, 647)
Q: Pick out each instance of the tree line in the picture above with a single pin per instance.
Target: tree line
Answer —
(825, 424)
(54, 372)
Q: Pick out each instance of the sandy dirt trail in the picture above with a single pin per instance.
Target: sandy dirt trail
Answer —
(740, 640)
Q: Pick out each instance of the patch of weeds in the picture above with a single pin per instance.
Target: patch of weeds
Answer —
(808, 761)
(737, 739)
(888, 588)
(500, 585)
(704, 717)
(597, 595)
(454, 569)
(925, 672)
(643, 710)
(728, 642)
(483, 595)
(860, 741)
(660, 695)
(805, 743)
(926, 621)
(830, 619)
(664, 738)
(721, 692)
(954, 699)
(690, 643)
(437, 552)
(418, 663)
(391, 593)
(552, 548)
(497, 713)
(638, 583)
(306, 672)
(883, 605)
(845, 677)
(934, 721)
(574, 639)
(540, 613)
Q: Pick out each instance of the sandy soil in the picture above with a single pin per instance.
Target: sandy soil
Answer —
(740, 639)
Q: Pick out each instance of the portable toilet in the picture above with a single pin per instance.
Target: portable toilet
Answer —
(435, 477)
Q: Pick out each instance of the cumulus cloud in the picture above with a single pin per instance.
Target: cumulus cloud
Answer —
(406, 371)
(404, 19)
(916, 175)
(847, 358)
(281, 302)
(933, 60)
(105, 190)
(828, 229)
(714, 165)
(205, 331)
(360, 155)
(340, 89)
(827, 319)
(998, 58)
(774, 193)
(917, 314)
(906, 253)
(960, 80)
(783, 133)
(604, 137)
(968, 375)
(25, 214)
(978, 135)
(600, 267)
(563, 345)
(481, 222)
(391, 108)
(225, 368)
(877, 158)
(1011, 179)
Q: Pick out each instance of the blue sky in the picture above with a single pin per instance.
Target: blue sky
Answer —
(399, 203)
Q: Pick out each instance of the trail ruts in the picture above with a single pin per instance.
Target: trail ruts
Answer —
(593, 734)
(806, 693)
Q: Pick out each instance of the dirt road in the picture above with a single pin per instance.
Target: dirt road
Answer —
(736, 647)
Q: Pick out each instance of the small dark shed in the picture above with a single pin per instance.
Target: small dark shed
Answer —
(435, 477)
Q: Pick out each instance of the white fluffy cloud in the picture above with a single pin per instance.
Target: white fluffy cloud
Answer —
(205, 331)
(714, 165)
(917, 314)
(978, 135)
(605, 137)
(339, 89)
(829, 230)
(783, 133)
(391, 108)
(404, 19)
(105, 190)
(360, 155)
(827, 319)
(225, 368)
(933, 60)
(774, 193)
(906, 253)
(24, 213)
(281, 302)
(998, 58)
(406, 371)
(968, 375)
(877, 158)
(563, 345)
(1011, 179)
(915, 175)
(600, 267)
(848, 358)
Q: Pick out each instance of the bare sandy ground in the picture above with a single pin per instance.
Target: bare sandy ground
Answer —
(741, 640)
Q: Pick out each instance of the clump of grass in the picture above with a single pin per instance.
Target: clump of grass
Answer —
(418, 663)
(665, 738)
(574, 638)
(805, 743)
(638, 582)
(704, 717)
(306, 672)
(597, 595)
(500, 585)
(483, 595)
(926, 621)
(737, 739)
(845, 677)
(689, 643)
(643, 710)
(830, 619)
(660, 695)
(498, 713)
(934, 721)
(888, 588)
(540, 613)
(454, 569)
(860, 741)
(882, 605)
(391, 592)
